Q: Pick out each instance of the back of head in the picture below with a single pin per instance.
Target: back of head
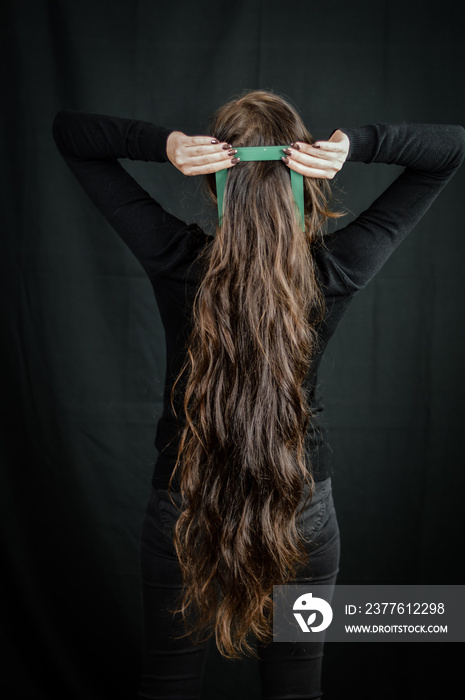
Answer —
(261, 190)
(258, 118)
(254, 335)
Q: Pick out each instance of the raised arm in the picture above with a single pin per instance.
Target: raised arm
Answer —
(91, 145)
(431, 154)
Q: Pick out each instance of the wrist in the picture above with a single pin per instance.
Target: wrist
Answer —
(362, 141)
(172, 141)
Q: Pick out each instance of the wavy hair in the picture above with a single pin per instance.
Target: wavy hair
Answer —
(255, 331)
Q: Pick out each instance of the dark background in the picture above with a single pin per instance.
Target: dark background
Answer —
(82, 351)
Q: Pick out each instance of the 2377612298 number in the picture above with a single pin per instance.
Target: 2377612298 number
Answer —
(401, 608)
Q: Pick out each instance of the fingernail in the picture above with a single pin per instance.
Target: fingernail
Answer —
(296, 146)
(286, 160)
(286, 150)
(232, 151)
(226, 146)
(235, 160)
(215, 141)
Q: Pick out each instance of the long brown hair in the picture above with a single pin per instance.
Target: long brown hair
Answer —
(255, 331)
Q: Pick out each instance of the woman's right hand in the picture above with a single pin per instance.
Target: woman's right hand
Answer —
(323, 159)
(199, 155)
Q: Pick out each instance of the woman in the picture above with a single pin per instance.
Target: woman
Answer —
(241, 493)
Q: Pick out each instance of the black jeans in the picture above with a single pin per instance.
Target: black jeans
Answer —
(173, 669)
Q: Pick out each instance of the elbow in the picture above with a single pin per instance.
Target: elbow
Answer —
(461, 141)
(458, 147)
(58, 127)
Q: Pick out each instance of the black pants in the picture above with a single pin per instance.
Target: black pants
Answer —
(173, 669)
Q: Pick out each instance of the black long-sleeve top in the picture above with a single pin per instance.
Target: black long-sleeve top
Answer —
(168, 248)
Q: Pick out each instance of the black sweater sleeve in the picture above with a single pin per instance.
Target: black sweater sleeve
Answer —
(91, 145)
(431, 154)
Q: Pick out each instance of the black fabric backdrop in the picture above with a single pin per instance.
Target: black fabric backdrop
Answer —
(82, 352)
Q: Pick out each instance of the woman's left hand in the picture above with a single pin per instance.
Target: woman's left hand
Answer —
(321, 159)
(199, 155)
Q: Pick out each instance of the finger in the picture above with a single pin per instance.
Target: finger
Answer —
(217, 151)
(210, 157)
(319, 160)
(190, 164)
(200, 149)
(309, 149)
(309, 172)
(212, 167)
(331, 146)
(201, 140)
